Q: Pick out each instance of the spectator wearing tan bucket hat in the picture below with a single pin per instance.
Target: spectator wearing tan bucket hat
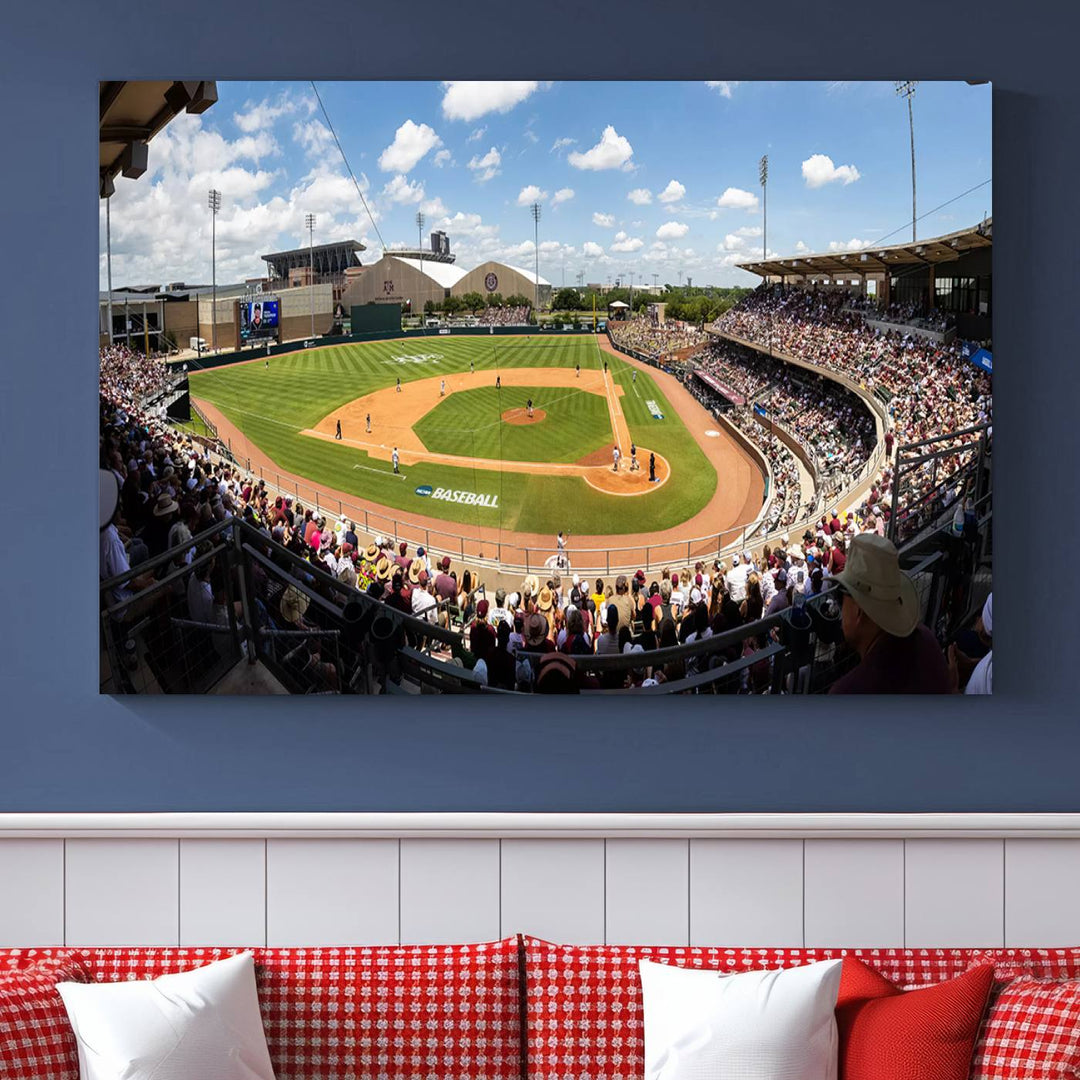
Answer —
(880, 618)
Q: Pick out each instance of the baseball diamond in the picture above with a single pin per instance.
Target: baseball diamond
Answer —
(459, 423)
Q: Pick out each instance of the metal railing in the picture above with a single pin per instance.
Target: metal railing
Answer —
(315, 634)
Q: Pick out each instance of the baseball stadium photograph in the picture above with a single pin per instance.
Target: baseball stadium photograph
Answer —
(515, 388)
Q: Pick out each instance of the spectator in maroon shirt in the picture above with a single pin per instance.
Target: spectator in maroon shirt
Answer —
(401, 558)
(398, 598)
(880, 618)
(445, 585)
(482, 636)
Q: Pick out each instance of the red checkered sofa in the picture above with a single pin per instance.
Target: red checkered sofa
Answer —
(445, 1012)
(527, 1009)
(584, 1017)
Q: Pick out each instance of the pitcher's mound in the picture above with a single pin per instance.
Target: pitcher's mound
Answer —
(519, 417)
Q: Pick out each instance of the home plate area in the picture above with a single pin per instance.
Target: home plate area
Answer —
(380, 421)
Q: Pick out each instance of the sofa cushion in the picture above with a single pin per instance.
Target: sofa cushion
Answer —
(753, 1025)
(173, 1027)
(928, 1033)
(1031, 1032)
(584, 1011)
(36, 1039)
(354, 1013)
(1035, 963)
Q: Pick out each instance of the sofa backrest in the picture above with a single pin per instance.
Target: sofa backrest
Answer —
(393, 1012)
(584, 1013)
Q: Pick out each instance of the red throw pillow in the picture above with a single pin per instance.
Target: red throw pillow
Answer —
(36, 1038)
(1032, 1032)
(891, 1034)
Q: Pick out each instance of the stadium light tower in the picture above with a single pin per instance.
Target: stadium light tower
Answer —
(309, 221)
(420, 245)
(535, 210)
(214, 202)
(763, 176)
(907, 90)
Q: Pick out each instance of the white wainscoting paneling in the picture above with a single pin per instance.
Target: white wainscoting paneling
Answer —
(954, 893)
(122, 892)
(1042, 887)
(711, 879)
(449, 891)
(31, 892)
(222, 892)
(332, 892)
(647, 892)
(554, 889)
(747, 892)
(854, 893)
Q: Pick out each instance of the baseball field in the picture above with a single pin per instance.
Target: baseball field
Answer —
(457, 413)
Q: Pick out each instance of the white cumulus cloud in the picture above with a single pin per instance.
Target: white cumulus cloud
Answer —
(672, 193)
(722, 88)
(592, 250)
(626, 243)
(470, 100)
(800, 247)
(605, 221)
(640, 196)
(564, 194)
(530, 194)
(613, 151)
(736, 199)
(559, 144)
(819, 170)
(441, 158)
(399, 190)
(672, 230)
(314, 136)
(854, 244)
(749, 230)
(477, 134)
(261, 116)
(468, 225)
(487, 166)
(411, 143)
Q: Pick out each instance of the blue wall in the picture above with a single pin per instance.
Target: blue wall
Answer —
(64, 748)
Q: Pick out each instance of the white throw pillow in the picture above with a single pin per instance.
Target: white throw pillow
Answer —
(203, 1023)
(757, 1025)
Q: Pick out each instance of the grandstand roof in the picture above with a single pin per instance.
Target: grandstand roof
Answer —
(528, 274)
(130, 114)
(349, 246)
(443, 274)
(879, 259)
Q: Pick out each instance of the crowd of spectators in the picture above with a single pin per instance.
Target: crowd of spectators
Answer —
(932, 390)
(910, 314)
(652, 339)
(504, 316)
(127, 375)
(742, 370)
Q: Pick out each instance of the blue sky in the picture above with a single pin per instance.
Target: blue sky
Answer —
(654, 178)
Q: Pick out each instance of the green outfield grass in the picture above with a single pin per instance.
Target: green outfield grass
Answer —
(273, 405)
(468, 422)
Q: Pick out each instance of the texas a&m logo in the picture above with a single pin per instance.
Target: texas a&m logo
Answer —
(388, 287)
(491, 282)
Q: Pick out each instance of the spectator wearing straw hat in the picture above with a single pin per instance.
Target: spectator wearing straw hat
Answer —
(880, 619)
